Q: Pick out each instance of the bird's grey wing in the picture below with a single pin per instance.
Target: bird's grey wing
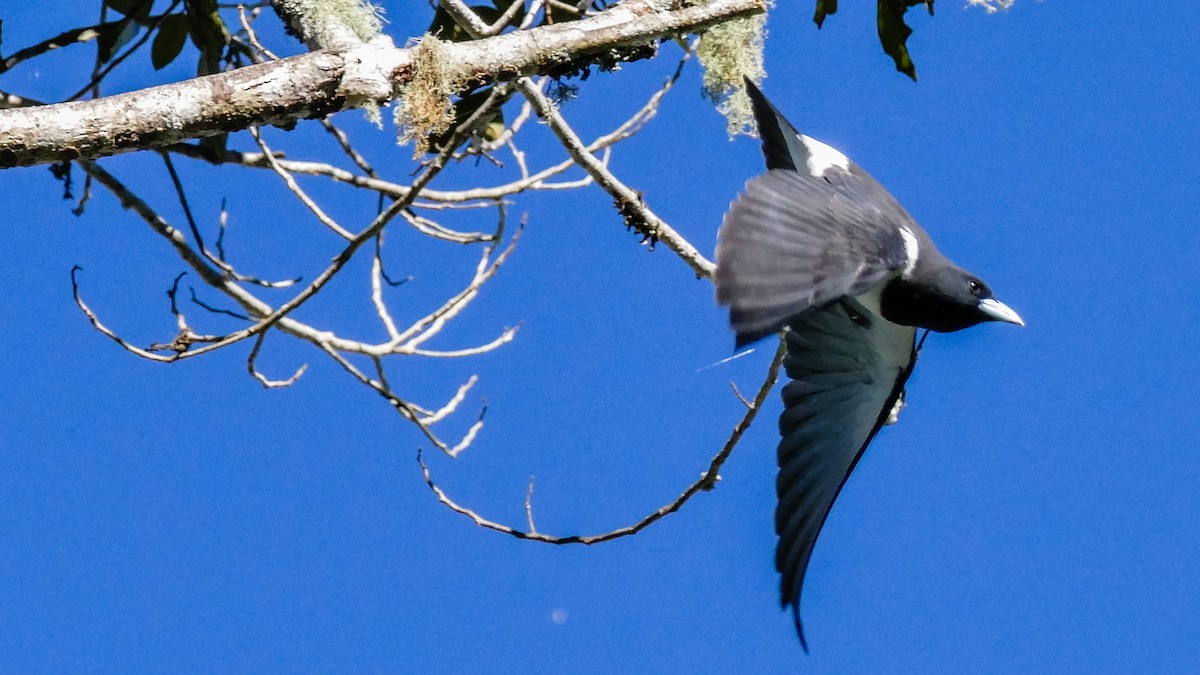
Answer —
(848, 368)
(793, 242)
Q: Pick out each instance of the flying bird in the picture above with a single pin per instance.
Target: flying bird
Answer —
(818, 247)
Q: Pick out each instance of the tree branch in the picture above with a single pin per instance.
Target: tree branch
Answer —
(324, 82)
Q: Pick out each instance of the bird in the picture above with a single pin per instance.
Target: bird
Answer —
(817, 248)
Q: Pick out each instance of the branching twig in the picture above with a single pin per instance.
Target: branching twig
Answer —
(251, 35)
(406, 409)
(262, 317)
(628, 201)
(706, 482)
(268, 383)
(104, 330)
(295, 189)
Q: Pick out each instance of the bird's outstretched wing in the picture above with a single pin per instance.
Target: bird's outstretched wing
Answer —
(848, 368)
(792, 242)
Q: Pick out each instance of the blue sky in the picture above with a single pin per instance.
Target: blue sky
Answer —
(1035, 510)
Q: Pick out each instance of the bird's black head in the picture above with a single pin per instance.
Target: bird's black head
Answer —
(944, 299)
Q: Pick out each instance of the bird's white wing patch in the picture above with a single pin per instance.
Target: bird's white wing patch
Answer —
(822, 158)
(911, 250)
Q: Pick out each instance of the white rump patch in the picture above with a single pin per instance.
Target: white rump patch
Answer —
(894, 415)
(911, 249)
(822, 158)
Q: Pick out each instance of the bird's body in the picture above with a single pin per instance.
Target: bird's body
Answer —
(818, 246)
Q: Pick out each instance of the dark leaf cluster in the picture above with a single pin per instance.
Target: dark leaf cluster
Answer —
(199, 20)
(893, 31)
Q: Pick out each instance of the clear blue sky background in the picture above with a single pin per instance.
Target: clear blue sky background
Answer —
(1036, 509)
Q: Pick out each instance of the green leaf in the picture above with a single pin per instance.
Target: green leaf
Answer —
(109, 41)
(214, 145)
(131, 8)
(824, 9)
(445, 27)
(893, 32)
(464, 107)
(208, 33)
(172, 33)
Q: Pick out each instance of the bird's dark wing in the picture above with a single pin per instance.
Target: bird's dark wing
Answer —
(848, 368)
(786, 148)
(793, 242)
(781, 142)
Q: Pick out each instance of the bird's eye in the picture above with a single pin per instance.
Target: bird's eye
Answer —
(975, 286)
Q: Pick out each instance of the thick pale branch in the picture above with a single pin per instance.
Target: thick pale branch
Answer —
(323, 82)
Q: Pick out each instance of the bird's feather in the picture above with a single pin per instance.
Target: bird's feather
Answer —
(781, 143)
(784, 147)
(848, 367)
(793, 242)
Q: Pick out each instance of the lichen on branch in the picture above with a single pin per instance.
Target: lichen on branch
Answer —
(331, 24)
(729, 52)
(424, 108)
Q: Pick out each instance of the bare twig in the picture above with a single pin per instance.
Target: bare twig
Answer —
(629, 203)
(529, 507)
(408, 410)
(95, 321)
(268, 383)
(295, 189)
(431, 324)
(344, 143)
(434, 229)
(251, 35)
(534, 181)
(738, 394)
(217, 275)
(706, 482)
(451, 405)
